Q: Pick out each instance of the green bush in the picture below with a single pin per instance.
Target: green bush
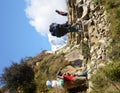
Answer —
(113, 9)
(112, 71)
(106, 77)
(18, 77)
(97, 1)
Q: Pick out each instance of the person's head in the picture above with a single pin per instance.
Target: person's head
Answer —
(68, 74)
(59, 73)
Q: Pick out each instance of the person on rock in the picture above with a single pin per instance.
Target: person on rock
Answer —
(60, 30)
(69, 77)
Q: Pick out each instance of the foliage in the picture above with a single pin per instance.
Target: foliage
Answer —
(29, 87)
(21, 76)
(107, 77)
(110, 4)
(1, 90)
(85, 49)
(113, 9)
(96, 1)
(48, 68)
(18, 77)
(112, 71)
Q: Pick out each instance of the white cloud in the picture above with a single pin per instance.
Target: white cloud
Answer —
(42, 13)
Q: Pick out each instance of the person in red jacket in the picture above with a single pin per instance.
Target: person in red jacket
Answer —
(69, 77)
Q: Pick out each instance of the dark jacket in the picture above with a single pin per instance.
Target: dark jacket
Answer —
(58, 30)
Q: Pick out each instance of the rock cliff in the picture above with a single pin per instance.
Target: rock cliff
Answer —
(89, 47)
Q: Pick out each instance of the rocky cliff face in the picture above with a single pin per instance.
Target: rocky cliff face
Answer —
(90, 46)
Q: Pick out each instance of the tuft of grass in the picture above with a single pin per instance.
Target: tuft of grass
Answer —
(108, 76)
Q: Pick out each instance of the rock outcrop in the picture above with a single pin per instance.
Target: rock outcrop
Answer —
(89, 47)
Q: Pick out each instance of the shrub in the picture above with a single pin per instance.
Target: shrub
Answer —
(18, 77)
(112, 71)
(106, 77)
(48, 68)
(113, 9)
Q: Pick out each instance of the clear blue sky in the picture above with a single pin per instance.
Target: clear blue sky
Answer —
(17, 38)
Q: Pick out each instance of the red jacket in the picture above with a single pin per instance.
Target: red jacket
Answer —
(68, 78)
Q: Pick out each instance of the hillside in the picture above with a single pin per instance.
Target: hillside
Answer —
(93, 49)
(96, 50)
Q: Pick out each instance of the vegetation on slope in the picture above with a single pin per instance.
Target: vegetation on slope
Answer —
(18, 78)
(113, 8)
(108, 79)
(24, 79)
(47, 70)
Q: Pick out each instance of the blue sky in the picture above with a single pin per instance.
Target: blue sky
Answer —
(18, 39)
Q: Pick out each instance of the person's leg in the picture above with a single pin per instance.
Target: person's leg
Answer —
(83, 74)
(77, 23)
(81, 78)
(72, 29)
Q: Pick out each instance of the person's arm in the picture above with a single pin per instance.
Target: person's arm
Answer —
(61, 13)
(60, 77)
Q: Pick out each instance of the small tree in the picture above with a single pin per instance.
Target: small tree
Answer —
(17, 77)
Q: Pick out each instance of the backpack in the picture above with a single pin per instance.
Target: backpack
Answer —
(57, 30)
(53, 29)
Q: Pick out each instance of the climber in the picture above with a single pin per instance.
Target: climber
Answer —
(85, 74)
(60, 30)
(61, 79)
(69, 77)
(61, 13)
